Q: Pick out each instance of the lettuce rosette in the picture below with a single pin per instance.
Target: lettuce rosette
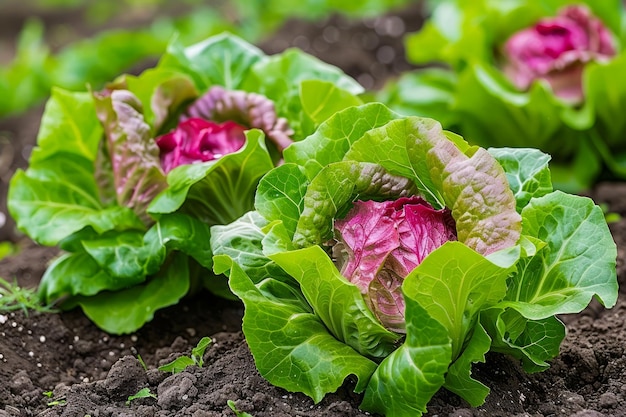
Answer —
(128, 180)
(544, 75)
(388, 254)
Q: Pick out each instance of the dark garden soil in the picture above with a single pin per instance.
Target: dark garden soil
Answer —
(62, 365)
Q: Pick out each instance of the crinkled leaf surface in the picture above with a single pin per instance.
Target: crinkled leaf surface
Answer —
(468, 181)
(406, 380)
(336, 302)
(333, 138)
(577, 263)
(129, 253)
(127, 310)
(132, 151)
(334, 188)
(280, 195)
(527, 172)
(242, 241)
(292, 348)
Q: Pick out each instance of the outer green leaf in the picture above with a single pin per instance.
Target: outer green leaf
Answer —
(577, 263)
(338, 303)
(79, 274)
(51, 209)
(131, 253)
(322, 99)
(68, 125)
(458, 378)
(533, 341)
(527, 172)
(279, 78)
(453, 284)
(291, 347)
(407, 379)
(241, 240)
(333, 138)
(426, 92)
(280, 195)
(219, 191)
(467, 180)
(127, 310)
(223, 60)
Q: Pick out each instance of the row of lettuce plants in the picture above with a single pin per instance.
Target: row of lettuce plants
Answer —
(366, 244)
(542, 74)
(28, 78)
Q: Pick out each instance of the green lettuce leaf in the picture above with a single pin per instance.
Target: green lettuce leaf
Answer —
(527, 172)
(125, 311)
(577, 263)
(406, 380)
(291, 346)
(336, 302)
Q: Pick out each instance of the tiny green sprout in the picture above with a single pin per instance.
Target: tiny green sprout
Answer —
(143, 364)
(13, 297)
(238, 413)
(47, 394)
(142, 393)
(60, 401)
(179, 364)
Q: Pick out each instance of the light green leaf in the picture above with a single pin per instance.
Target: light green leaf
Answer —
(241, 240)
(68, 125)
(223, 59)
(52, 207)
(527, 172)
(406, 380)
(280, 195)
(577, 263)
(458, 378)
(333, 138)
(127, 310)
(453, 284)
(322, 99)
(336, 302)
(291, 346)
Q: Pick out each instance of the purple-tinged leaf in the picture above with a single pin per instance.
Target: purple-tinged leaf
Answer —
(134, 156)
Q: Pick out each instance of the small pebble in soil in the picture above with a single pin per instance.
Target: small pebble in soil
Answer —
(42, 339)
(3, 318)
(608, 400)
